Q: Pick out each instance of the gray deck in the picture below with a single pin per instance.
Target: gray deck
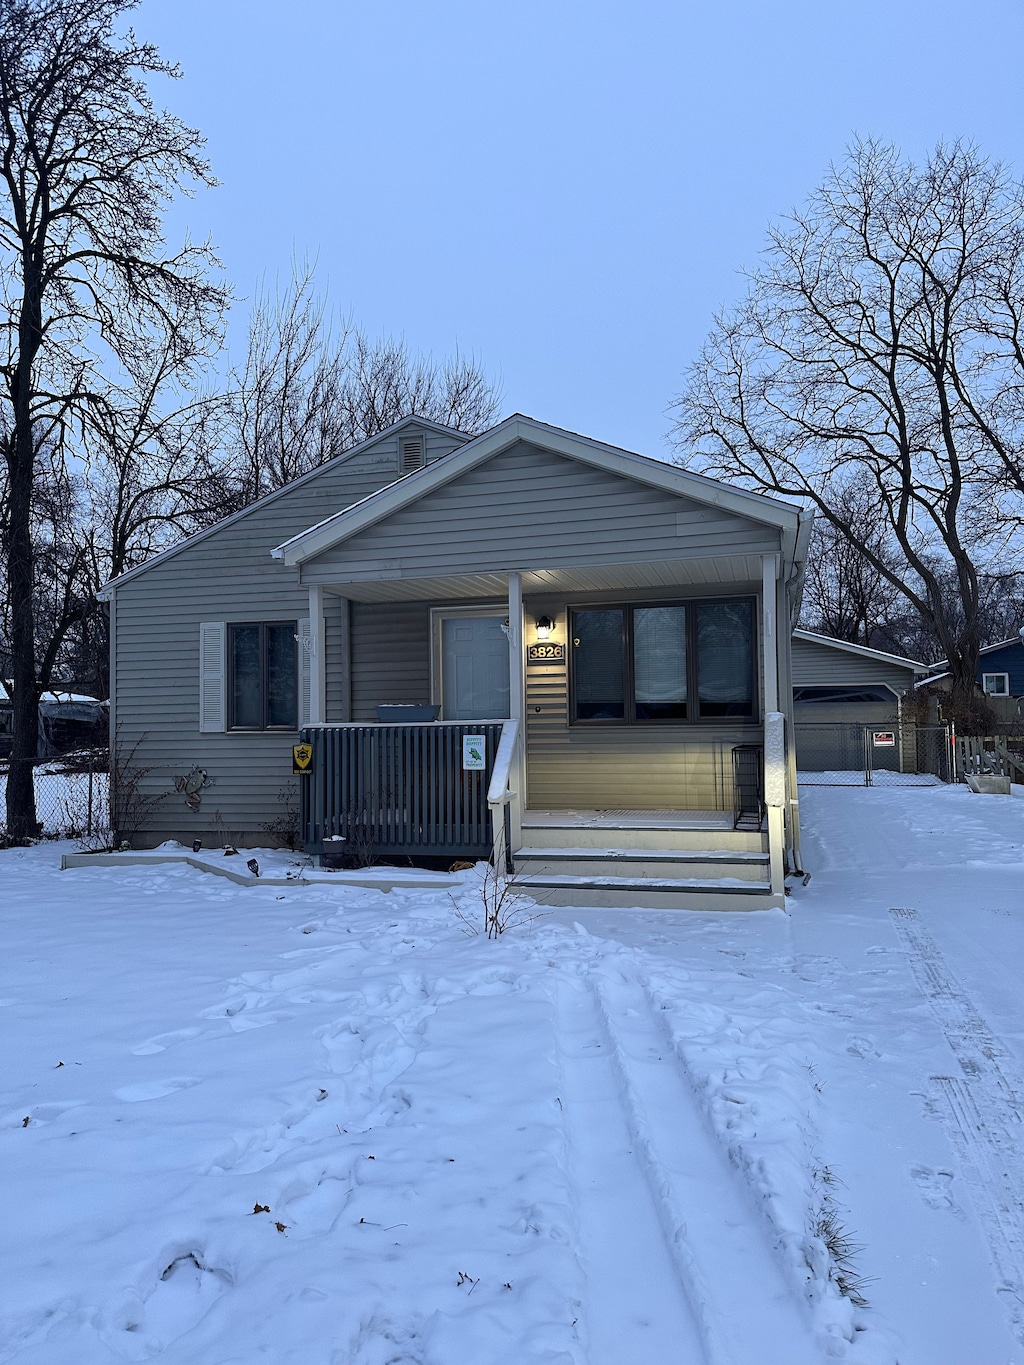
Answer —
(628, 819)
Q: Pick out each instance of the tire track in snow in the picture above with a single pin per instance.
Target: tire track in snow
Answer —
(982, 1110)
(739, 1298)
(635, 1307)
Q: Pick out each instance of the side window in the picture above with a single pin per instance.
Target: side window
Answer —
(725, 659)
(598, 661)
(263, 682)
(996, 684)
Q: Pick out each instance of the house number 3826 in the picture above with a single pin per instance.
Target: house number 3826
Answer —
(546, 654)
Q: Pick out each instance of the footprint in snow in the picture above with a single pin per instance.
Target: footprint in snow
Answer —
(244, 1013)
(862, 1047)
(183, 1294)
(156, 1090)
(935, 1187)
(162, 1041)
(36, 1114)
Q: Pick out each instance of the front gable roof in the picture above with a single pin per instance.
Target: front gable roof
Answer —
(667, 478)
(420, 423)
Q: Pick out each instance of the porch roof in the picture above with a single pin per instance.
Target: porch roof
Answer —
(390, 585)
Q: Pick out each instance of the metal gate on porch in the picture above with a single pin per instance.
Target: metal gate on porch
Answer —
(848, 754)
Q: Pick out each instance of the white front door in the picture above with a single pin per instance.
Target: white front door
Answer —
(474, 661)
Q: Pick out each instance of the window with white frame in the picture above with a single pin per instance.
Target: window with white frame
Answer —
(996, 684)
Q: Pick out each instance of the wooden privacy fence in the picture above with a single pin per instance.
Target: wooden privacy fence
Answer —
(389, 790)
(997, 755)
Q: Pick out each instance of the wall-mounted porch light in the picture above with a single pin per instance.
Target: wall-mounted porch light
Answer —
(545, 626)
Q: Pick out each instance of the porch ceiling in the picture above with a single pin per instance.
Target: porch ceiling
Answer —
(711, 571)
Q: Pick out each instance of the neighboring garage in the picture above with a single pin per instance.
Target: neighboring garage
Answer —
(842, 691)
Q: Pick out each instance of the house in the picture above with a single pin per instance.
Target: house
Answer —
(605, 638)
(843, 694)
(1000, 678)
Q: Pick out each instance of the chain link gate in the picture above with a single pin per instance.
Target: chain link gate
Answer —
(852, 754)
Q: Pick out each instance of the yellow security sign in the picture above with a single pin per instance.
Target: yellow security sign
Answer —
(302, 758)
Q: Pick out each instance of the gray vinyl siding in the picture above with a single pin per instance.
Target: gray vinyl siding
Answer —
(390, 655)
(529, 508)
(226, 576)
(818, 665)
(337, 698)
(438, 443)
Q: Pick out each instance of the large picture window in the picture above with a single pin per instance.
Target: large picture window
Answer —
(262, 676)
(676, 662)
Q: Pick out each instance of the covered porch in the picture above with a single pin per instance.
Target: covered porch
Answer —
(628, 624)
(677, 813)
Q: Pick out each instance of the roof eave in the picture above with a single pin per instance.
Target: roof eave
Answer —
(815, 637)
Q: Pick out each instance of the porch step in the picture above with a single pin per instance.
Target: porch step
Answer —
(648, 893)
(659, 864)
(674, 831)
(648, 859)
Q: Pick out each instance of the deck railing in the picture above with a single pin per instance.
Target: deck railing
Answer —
(387, 790)
(504, 798)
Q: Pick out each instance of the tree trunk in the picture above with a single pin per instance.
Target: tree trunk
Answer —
(21, 801)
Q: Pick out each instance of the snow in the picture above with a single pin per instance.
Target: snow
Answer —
(314, 1122)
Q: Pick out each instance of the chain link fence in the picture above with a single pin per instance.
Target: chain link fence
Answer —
(848, 754)
(72, 795)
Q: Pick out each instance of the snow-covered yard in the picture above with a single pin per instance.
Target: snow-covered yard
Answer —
(314, 1124)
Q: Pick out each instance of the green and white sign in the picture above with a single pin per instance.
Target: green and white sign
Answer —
(474, 752)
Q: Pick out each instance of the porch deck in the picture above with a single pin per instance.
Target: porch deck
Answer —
(628, 819)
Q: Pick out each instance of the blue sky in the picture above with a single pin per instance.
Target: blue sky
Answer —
(565, 190)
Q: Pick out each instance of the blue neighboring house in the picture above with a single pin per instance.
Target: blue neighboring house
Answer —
(1000, 676)
(1001, 668)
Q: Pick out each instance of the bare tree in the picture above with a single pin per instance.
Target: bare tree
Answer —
(89, 289)
(874, 345)
(845, 595)
(311, 388)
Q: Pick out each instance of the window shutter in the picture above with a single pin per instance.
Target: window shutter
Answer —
(412, 453)
(305, 672)
(213, 677)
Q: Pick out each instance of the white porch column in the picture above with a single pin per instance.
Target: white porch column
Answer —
(774, 727)
(769, 624)
(517, 706)
(317, 657)
(515, 646)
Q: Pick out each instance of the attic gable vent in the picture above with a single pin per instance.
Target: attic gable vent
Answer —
(413, 455)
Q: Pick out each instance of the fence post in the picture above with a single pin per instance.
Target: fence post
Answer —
(867, 756)
(88, 818)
